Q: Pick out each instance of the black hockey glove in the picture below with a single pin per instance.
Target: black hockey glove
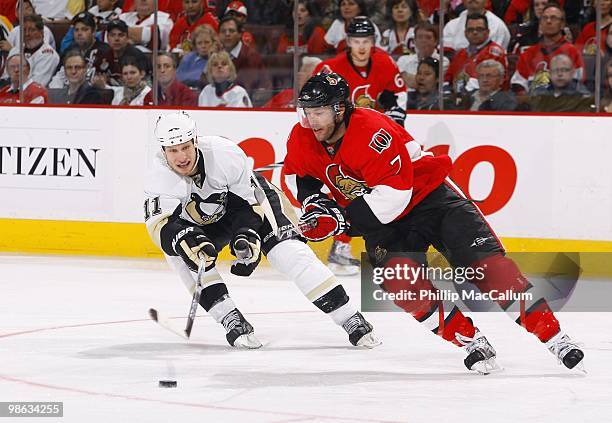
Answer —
(193, 246)
(387, 99)
(321, 218)
(246, 246)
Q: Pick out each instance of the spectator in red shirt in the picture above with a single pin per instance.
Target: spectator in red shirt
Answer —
(170, 91)
(587, 40)
(238, 10)
(194, 15)
(462, 70)
(248, 63)
(532, 70)
(32, 92)
(310, 32)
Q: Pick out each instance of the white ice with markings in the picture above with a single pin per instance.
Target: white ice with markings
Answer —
(76, 330)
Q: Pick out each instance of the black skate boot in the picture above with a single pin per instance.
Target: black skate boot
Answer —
(360, 332)
(566, 351)
(240, 333)
(481, 355)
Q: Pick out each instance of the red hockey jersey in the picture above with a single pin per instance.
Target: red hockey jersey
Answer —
(463, 65)
(377, 159)
(366, 84)
(534, 64)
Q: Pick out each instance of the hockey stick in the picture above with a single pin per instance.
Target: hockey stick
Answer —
(271, 166)
(165, 322)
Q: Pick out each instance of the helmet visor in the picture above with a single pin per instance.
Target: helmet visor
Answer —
(316, 117)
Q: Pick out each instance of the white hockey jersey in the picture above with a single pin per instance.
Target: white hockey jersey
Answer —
(202, 201)
(164, 24)
(236, 96)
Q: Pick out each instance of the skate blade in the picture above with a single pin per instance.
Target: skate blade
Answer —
(343, 270)
(369, 341)
(486, 367)
(247, 342)
(580, 367)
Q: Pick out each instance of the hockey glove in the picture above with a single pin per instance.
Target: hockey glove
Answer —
(321, 218)
(193, 246)
(387, 99)
(246, 246)
(397, 114)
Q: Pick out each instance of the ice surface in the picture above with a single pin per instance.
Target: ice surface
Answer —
(76, 330)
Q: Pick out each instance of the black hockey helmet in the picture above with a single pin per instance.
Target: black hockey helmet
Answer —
(323, 89)
(360, 26)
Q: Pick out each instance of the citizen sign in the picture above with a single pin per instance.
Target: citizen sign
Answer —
(48, 161)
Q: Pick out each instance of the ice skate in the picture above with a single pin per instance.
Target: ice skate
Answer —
(360, 332)
(567, 351)
(240, 333)
(481, 355)
(341, 261)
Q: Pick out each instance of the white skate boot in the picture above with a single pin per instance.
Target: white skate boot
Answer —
(567, 351)
(481, 354)
(341, 261)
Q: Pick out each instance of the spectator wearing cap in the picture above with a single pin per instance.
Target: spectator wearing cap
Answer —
(335, 37)
(238, 10)
(564, 93)
(532, 69)
(135, 88)
(311, 35)
(248, 63)
(194, 16)
(97, 54)
(33, 93)
(78, 90)
(14, 37)
(262, 12)
(462, 71)
(426, 45)
(191, 70)
(490, 95)
(103, 12)
(117, 35)
(454, 31)
(140, 26)
(170, 91)
(42, 57)
(223, 91)
(59, 10)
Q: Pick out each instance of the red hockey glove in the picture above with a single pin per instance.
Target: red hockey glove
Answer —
(322, 218)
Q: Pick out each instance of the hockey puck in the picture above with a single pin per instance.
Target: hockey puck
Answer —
(167, 383)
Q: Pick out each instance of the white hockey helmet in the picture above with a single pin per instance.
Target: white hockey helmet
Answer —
(175, 128)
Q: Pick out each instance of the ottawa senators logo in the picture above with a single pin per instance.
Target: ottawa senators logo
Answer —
(350, 187)
(380, 141)
(362, 98)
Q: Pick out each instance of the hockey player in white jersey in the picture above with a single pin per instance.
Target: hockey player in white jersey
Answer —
(201, 195)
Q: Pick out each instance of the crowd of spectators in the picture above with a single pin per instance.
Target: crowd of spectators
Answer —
(492, 55)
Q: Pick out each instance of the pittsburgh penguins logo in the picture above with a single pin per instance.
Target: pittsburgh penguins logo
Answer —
(208, 210)
(350, 187)
(380, 141)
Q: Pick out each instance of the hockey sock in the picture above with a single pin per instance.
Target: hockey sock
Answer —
(430, 312)
(502, 274)
(297, 261)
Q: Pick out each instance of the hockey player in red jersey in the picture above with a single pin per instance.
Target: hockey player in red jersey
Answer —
(399, 198)
(376, 83)
(371, 74)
